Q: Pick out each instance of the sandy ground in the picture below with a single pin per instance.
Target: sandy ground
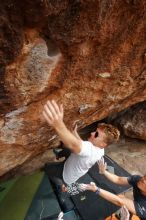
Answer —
(130, 154)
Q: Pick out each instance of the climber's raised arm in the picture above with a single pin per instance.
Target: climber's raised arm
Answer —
(53, 113)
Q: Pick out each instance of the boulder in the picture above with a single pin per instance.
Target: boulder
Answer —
(132, 121)
(88, 55)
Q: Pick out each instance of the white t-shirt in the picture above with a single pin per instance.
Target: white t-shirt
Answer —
(79, 164)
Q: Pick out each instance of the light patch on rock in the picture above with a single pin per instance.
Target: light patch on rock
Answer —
(11, 127)
(68, 95)
(38, 66)
(16, 112)
(52, 138)
(84, 49)
(104, 75)
(84, 107)
(37, 71)
(112, 97)
(127, 124)
(30, 73)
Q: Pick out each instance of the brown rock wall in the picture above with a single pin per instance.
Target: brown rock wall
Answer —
(89, 55)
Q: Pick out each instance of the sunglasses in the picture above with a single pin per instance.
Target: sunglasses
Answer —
(96, 134)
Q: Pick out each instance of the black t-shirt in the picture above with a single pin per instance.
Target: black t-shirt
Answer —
(139, 198)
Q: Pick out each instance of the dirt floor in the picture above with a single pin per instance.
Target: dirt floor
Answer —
(130, 154)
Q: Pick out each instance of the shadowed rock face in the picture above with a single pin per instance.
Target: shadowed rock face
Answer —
(133, 121)
(89, 55)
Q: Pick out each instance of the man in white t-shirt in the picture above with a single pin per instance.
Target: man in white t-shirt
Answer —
(84, 153)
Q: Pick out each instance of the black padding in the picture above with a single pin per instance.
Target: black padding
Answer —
(63, 198)
(65, 202)
(91, 206)
(71, 215)
(102, 181)
(44, 203)
(52, 217)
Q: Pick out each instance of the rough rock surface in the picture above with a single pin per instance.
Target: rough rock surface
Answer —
(89, 55)
(133, 121)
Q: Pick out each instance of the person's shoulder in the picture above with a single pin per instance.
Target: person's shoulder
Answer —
(85, 148)
(98, 148)
(100, 152)
(87, 143)
(93, 147)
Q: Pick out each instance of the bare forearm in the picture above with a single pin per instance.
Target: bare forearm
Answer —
(115, 199)
(112, 177)
(111, 197)
(116, 179)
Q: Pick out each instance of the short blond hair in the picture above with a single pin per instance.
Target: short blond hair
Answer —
(112, 133)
